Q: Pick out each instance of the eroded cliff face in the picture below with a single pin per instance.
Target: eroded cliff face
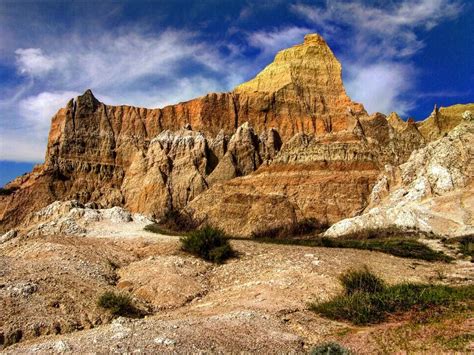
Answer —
(432, 192)
(289, 141)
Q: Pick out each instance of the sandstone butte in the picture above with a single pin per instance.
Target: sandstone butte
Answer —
(285, 146)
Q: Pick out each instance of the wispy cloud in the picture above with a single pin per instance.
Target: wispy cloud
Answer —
(386, 31)
(129, 67)
(271, 41)
(378, 43)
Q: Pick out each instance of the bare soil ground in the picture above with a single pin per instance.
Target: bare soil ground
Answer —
(258, 302)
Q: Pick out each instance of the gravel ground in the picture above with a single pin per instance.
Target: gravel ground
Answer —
(257, 302)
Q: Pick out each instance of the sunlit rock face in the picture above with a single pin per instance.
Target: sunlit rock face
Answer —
(286, 145)
(432, 192)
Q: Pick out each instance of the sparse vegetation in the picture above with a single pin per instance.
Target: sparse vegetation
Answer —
(366, 301)
(300, 228)
(459, 342)
(208, 243)
(158, 229)
(405, 247)
(390, 232)
(330, 348)
(466, 246)
(173, 223)
(118, 304)
(361, 281)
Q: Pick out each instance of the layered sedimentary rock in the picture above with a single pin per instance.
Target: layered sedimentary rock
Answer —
(432, 192)
(313, 150)
(319, 177)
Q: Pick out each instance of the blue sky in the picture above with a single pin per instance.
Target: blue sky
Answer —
(402, 56)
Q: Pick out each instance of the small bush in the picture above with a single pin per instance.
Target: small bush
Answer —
(368, 306)
(330, 348)
(300, 228)
(177, 221)
(208, 243)
(117, 304)
(361, 281)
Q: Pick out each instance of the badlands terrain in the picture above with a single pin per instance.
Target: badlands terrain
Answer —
(285, 150)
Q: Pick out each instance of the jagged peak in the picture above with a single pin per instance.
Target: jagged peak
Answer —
(396, 122)
(87, 100)
(314, 39)
(88, 95)
(309, 65)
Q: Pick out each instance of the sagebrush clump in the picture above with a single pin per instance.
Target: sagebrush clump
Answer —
(330, 348)
(209, 243)
(118, 304)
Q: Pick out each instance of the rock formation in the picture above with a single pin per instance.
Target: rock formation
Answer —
(288, 144)
(442, 120)
(432, 192)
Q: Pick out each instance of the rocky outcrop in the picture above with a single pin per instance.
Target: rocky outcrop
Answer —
(71, 218)
(442, 120)
(322, 177)
(432, 192)
(293, 121)
(180, 165)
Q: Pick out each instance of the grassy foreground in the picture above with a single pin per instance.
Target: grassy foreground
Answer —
(368, 300)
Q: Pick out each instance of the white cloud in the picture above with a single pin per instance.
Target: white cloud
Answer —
(33, 62)
(270, 42)
(19, 146)
(26, 140)
(38, 110)
(110, 60)
(378, 86)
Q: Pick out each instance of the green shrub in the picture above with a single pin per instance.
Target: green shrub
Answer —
(117, 304)
(303, 227)
(361, 281)
(330, 348)
(208, 243)
(363, 306)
